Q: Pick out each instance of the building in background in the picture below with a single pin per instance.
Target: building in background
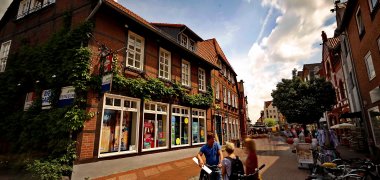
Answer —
(333, 71)
(226, 120)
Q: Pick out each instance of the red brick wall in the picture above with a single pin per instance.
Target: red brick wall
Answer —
(360, 47)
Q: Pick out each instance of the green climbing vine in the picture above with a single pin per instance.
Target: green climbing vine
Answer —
(46, 135)
(155, 89)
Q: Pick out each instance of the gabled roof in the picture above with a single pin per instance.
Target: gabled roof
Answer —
(333, 43)
(129, 12)
(211, 50)
(179, 26)
(311, 67)
(267, 103)
(168, 25)
(156, 30)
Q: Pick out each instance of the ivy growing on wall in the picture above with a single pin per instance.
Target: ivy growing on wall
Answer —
(155, 89)
(46, 134)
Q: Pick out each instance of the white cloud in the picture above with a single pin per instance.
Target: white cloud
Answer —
(289, 45)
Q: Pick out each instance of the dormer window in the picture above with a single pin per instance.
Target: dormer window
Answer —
(192, 45)
(28, 6)
(184, 40)
(187, 42)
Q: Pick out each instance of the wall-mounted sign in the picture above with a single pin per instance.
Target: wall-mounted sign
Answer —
(30, 98)
(46, 95)
(106, 83)
(108, 63)
(67, 96)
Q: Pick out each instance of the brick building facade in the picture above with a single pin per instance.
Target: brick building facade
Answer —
(124, 125)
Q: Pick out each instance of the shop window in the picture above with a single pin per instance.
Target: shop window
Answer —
(155, 127)
(180, 124)
(199, 126)
(120, 119)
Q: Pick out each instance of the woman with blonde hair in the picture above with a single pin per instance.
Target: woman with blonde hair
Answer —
(230, 161)
(251, 163)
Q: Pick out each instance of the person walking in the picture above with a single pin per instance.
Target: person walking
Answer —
(214, 157)
(251, 163)
(232, 166)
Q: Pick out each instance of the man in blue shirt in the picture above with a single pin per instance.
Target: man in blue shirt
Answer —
(214, 157)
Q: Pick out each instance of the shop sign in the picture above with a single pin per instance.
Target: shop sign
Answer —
(106, 83)
(67, 96)
(46, 95)
(30, 98)
(108, 64)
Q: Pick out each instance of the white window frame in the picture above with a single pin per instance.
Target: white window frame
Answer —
(164, 62)
(185, 73)
(224, 70)
(200, 115)
(28, 6)
(372, 4)
(4, 52)
(201, 80)
(369, 64)
(229, 97)
(122, 108)
(183, 112)
(359, 21)
(156, 111)
(192, 45)
(224, 95)
(131, 51)
(184, 40)
(236, 101)
(217, 90)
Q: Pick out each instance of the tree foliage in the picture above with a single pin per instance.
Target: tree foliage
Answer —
(304, 102)
(270, 122)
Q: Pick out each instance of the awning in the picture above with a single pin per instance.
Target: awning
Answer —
(351, 115)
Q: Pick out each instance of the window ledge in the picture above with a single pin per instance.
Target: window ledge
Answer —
(165, 80)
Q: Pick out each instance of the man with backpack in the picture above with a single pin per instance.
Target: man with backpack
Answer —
(232, 168)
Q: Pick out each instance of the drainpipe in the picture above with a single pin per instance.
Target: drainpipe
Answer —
(94, 10)
(180, 33)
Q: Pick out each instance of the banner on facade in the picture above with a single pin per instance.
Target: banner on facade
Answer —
(106, 83)
(29, 99)
(108, 63)
(67, 96)
(46, 95)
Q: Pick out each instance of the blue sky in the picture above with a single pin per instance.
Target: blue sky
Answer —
(264, 40)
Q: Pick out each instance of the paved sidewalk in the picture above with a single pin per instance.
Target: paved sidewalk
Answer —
(281, 164)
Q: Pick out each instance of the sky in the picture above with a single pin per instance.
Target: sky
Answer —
(264, 40)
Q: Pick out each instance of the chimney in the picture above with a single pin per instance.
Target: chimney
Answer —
(324, 36)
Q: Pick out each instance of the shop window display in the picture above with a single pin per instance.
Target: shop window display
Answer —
(119, 125)
(155, 127)
(199, 126)
(180, 124)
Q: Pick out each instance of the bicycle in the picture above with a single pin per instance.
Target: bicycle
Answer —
(248, 176)
(214, 172)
